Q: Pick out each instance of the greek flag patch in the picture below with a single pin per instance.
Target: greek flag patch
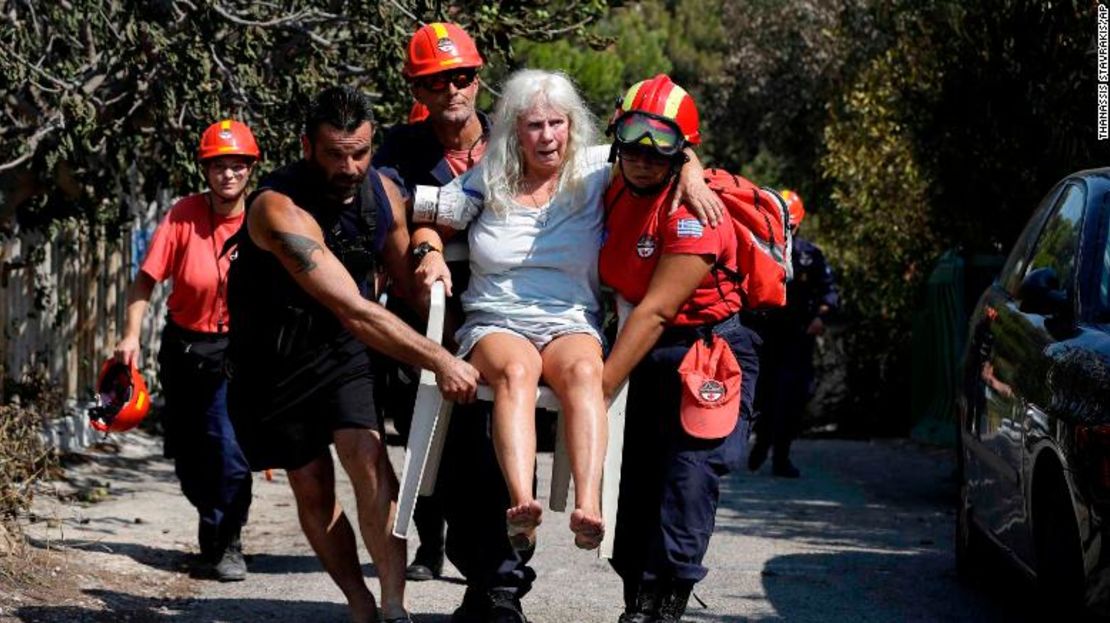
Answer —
(689, 228)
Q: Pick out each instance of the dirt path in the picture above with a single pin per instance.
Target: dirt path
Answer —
(864, 535)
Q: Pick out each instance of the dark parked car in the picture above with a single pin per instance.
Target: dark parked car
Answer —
(1034, 410)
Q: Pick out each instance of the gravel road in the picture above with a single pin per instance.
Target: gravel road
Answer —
(865, 535)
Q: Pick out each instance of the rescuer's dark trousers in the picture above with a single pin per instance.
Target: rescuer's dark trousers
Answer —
(785, 385)
(670, 481)
(215, 476)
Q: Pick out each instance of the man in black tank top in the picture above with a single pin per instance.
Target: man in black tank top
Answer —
(300, 370)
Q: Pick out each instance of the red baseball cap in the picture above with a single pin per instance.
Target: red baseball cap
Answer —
(710, 389)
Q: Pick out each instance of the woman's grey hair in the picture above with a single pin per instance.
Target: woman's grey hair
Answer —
(503, 163)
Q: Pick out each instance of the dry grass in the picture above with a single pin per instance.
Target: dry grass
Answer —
(24, 458)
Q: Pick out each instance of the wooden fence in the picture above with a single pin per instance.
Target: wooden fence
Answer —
(63, 297)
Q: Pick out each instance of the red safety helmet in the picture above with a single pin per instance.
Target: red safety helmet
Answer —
(440, 46)
(652, 106)
(227, 138)
(122, 398)
(418, 113)
(795, 206)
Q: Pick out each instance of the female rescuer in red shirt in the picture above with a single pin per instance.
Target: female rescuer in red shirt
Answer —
(187, 248)
(692, 364)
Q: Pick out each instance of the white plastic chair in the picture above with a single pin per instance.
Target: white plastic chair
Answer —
(431, 418)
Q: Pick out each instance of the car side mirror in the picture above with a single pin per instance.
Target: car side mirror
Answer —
(1040, 293)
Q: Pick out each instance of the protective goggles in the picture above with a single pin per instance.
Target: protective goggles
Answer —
(436, 83)
(648, 130)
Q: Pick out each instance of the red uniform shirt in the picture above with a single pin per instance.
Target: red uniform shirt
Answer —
(186, 248)
(462, 160)
(638, 232)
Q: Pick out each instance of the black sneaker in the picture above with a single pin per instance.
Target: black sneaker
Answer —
(641, 604)
(424, 568)
(505, 607)
(232, 567)
(673, 604)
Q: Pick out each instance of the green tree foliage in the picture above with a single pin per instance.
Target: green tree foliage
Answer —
(1016, 111)
(626, 46)
(106, 98)
(785, 62)
(598, 73)
(638, 41)
(909, 127)
(878, 228)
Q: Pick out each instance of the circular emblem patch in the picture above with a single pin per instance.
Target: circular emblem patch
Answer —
(225, 135)
(645, 246)
(447, 46)
(711, 390)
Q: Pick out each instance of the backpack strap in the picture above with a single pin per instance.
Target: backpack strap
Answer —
(717, 269)
(234, 239)
(368, 205)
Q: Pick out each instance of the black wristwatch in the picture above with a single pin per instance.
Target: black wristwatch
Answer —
(422, 249)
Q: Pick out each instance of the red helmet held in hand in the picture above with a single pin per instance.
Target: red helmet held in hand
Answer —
(440, 46)
(122, 398)
(227, 138)
(795, 206)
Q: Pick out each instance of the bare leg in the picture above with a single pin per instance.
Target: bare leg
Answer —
(511, 365)
(330, 534)
(572, 367)
(364, 458)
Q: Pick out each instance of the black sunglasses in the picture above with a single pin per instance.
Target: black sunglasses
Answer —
(461, 78)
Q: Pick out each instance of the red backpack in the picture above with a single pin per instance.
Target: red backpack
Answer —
(763, 238)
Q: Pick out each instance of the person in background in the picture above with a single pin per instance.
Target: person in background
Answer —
(186, 248)
(691, 364)
(789, 336)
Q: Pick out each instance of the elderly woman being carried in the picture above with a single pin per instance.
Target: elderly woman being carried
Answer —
(534, 217)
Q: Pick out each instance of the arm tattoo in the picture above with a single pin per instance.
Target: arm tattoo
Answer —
(298, 248)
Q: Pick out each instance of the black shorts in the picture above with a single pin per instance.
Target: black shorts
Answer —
(293, 437)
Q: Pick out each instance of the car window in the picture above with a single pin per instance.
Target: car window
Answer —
(1104, 267)
(1013, 271)
(1058, 243)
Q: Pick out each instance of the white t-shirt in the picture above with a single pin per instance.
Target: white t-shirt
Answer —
(535, 266)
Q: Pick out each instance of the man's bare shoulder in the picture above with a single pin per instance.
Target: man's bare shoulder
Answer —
(393, 192)
(275, 218)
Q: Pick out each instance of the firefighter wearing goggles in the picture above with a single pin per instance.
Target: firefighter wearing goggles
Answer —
(687, 423)
(655, 121)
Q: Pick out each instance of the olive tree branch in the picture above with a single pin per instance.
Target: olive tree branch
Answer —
(56, 122)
